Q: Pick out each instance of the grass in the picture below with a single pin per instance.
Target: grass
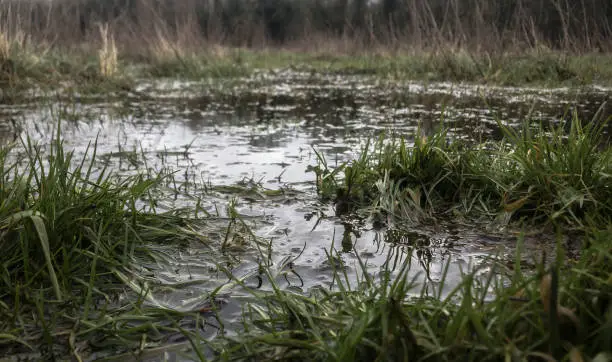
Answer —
(25, 66)
(103, 69)
(534, 68)
(561, 312)
(107, 55)
(101, 48)
(75, 237)
(537, 175)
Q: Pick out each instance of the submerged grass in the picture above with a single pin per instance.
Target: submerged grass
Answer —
(557, 176)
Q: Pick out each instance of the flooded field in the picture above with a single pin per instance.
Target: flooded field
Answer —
(251, 142)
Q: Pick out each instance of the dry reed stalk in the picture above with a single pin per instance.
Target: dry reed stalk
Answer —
(478, 26)
(546, 291)
(108, 52)
(162, 49)
(5, 47)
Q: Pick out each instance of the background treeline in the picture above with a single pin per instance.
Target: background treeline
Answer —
(573, 25)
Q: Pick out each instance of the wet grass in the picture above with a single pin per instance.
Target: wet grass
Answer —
(76, 239)
(560, 312)
(76, 236)
(558, 175)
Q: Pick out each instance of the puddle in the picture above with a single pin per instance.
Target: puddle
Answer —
(262, 131)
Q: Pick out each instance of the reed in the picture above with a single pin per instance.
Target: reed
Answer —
(495, 43)
(107, 55)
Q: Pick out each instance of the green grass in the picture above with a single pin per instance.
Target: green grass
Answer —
(73, 237)
(536, 175)
(561, 310)
(557, 313)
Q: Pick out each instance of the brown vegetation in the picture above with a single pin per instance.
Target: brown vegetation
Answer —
(140, 27)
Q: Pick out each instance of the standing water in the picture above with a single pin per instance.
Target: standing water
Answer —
(250, 143)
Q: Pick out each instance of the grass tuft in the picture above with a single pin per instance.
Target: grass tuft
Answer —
(73, 235)
(559, 175)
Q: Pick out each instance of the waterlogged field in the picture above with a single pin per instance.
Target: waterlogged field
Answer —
(246, 156)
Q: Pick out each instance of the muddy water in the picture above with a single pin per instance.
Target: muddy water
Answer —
(262, 131)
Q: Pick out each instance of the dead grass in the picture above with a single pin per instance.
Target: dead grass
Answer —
(167, 27)
(5, 48)
(107, 55)
(189, 39)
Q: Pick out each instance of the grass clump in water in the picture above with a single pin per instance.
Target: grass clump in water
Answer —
(71, 235)
(559, 176)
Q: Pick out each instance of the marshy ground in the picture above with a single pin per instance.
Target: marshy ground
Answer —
(207, 205)
(185, 181)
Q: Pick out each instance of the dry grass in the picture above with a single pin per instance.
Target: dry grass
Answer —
(194, 38)
(163, 49)
(166, 25)
(5, 47)
(8, 44)
(107, 54)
